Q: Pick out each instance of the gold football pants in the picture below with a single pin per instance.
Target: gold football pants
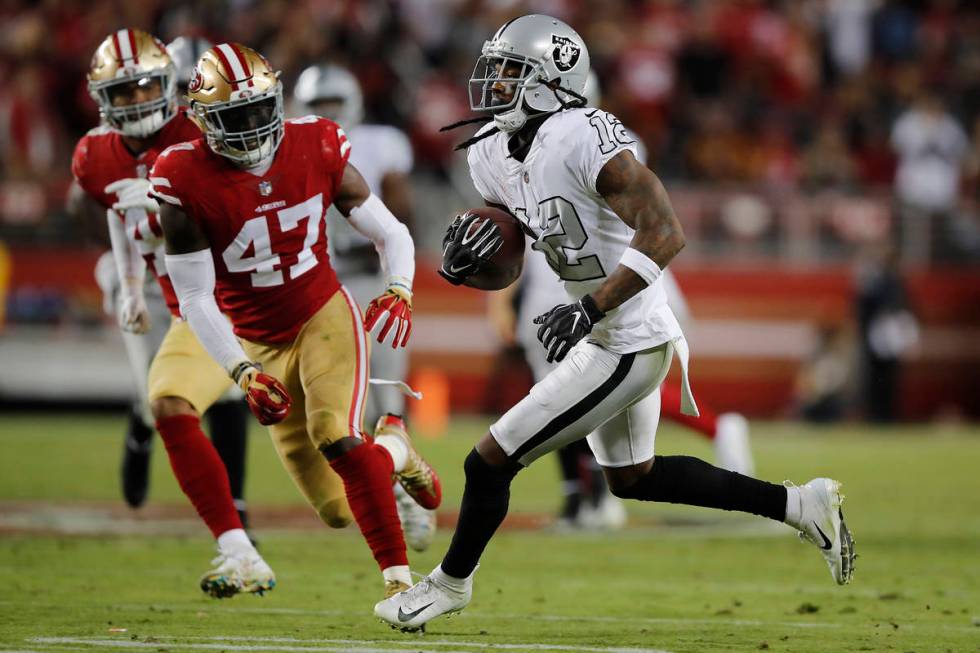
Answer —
(183, 369)
(325, 370)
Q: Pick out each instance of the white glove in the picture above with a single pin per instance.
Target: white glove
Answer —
(133, 193)
(134, 317)
(108, 281)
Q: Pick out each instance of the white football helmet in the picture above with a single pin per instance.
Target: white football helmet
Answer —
(330, 83)
(592, 90)
(544, 60)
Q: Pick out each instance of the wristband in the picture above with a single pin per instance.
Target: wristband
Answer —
(643, 265)
(591, 309)
(240, 369)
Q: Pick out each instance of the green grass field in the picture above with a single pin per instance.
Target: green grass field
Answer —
(676, 580)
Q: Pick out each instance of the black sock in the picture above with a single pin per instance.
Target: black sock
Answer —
(597, 487)
(137, 430)
(571, 504)
(571, 485)
(688, 480)
(485, 499)
(228, 423)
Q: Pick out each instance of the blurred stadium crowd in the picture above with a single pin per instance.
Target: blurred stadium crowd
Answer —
(782, 98)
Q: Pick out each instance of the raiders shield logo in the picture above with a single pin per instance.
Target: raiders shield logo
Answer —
(566, 53)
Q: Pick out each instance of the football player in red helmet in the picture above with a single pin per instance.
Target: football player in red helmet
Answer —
(243, 216)
(133, 80)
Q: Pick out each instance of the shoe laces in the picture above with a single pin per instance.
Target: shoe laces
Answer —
(424, 585)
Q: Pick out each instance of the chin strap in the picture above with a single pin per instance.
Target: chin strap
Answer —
(578, 101)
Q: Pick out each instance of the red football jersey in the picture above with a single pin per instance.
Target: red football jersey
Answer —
(267, 232)
(101, 158)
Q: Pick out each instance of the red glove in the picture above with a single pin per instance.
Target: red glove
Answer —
(267, 397)
(390, 315)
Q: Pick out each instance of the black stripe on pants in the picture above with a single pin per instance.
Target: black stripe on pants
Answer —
(576, 412)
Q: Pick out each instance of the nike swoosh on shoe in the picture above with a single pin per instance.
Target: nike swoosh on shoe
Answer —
(826, 540)
(408, 616)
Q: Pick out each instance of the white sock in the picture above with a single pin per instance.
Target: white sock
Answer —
(401, 573)
(794, 506)
(235, 539)
(453, 583)
(396, 447)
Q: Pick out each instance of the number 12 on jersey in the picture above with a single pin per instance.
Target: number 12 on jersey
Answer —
(255, 236)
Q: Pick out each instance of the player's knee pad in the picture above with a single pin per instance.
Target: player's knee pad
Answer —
(481, 473)
(337, 448)
(335, 513)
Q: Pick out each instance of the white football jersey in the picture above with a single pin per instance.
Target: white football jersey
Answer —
(554, 196)
(376, 150)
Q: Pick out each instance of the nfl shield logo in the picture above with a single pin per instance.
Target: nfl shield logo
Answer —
(265, 188)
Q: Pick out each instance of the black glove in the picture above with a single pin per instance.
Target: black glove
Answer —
(463, 254)
(564, 325)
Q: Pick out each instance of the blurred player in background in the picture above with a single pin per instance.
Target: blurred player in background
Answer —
(242, 211)
(569, 174)
(383, 156)
(134, 81)
(185, 51)
(587, 502)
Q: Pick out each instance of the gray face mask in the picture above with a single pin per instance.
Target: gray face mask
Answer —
(139, 119)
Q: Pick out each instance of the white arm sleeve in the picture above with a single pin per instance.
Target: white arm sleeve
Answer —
(130, 266)
(390, 238)
(193, 278)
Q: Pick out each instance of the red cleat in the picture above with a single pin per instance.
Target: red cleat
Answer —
(418, 478)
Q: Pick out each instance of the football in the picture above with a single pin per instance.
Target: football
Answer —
(505, 266)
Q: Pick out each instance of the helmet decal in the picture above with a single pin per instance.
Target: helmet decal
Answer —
(197, 81)
(566, 52)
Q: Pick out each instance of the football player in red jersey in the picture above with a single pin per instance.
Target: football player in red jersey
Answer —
(243, 214)
(133, 80)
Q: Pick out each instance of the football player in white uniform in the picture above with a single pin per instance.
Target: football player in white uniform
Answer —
(569, 174)
(383, 155)
(587, 502)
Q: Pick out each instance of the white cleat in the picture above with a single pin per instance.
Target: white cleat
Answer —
(732, 449)
(609, 515)
(242, 571)
(412, 609)
(418, 524)
(822, 524)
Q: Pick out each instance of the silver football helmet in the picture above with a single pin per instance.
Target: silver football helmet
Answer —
(185, 51)
(331, 84)
(532, 64)
(592, 90)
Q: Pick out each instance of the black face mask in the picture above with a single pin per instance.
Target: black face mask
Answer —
(248, 116)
